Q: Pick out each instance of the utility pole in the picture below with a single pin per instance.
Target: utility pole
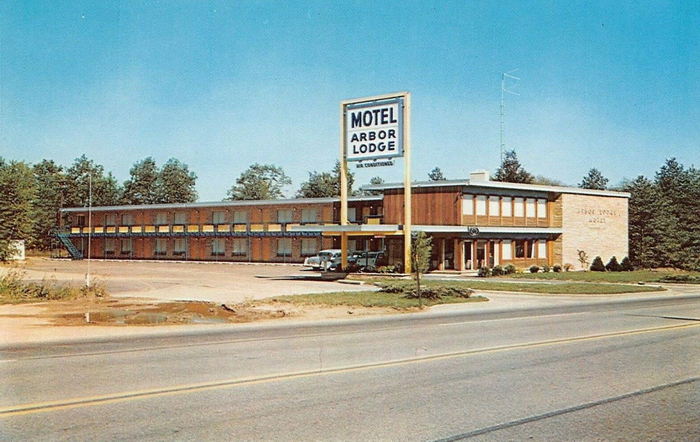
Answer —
(87, 276)
(504, 90)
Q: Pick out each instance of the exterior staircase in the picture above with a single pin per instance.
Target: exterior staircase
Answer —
(65, 240)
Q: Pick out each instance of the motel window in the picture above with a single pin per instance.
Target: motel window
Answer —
(109, 246)
(310, 215)
(126, 246)
(530, 207)
(352, 214)
(530, 249)
(541, 208)
(481, 205)
(507, 247)
(494, 209)
(519, 207)
(218, 247)
(309, 246)
(161, 247)
(218, 217)
(542, 248)
(161, 218)
(110, 219)
(240, 247)
(80, 221)
(127, 219)
(468, 205)
(284, 247)
(506, 206)
(240, 217)
(520, 248)
(352, 245)
(180, 218)
(180, 246)
(284, 216)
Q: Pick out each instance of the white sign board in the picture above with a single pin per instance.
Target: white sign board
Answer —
(374, 129)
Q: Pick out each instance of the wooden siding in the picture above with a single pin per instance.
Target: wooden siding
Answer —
(437, 205)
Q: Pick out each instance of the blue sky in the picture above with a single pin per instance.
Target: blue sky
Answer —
(223, 84)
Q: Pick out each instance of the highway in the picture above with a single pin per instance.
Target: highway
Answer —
(617, 370)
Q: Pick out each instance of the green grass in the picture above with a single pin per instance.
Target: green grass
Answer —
(15, 290)
(369, 299)
(619, 277)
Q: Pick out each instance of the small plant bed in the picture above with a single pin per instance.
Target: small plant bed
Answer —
(400, 295)
(615, 277)
(14, 289)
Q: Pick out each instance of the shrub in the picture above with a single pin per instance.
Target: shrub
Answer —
(439, 292)
(497, 271)
(597, 265)
(556, 268)
(545, 268)
(613, 265)
(688, 279)
(568, 267)
(626, 265)
(483, 272)
(509, 269)
(534, 269)
(386, 269)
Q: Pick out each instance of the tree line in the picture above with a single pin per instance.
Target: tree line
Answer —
(664, 211)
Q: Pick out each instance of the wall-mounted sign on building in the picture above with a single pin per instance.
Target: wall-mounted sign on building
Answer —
(374, 129)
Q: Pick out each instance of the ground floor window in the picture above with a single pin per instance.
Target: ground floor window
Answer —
(126, 246)
(284, 247)
(161, 248)
(218, 247)
(507, 249)
(240, 247)
(542, 248)
(309, 246)
(180, 246)
(109, 246)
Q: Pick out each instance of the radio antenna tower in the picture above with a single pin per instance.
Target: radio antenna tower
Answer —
(505, 89)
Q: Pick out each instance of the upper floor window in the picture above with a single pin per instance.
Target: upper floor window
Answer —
(519, 207)
(218, 217)
(161, 218)
(110, 219)
(541, 208)
(180, 218)
(311, 215)
(240, 217)
(494, 206)
(352, 214)
(481, 205)
(284, 216)
(80, 220)
(530, 207)
(507, 206)
(127, 219)
(468, 205)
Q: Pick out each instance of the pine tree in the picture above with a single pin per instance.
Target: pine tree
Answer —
(597, 265)
(512, 171)
(436, 175)
(646, 226)
(594, 180)
(142, 185)
(626, 265)
(105, 190)
(613, 265)
(50, 183)
(17, 191)
(176, 183)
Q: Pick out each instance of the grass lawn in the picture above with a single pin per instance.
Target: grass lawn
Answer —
(621, 277)
(370, 299)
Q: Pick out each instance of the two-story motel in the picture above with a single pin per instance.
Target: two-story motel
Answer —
(519, 224)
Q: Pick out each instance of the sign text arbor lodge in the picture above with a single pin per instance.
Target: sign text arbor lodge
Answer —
(374, 130)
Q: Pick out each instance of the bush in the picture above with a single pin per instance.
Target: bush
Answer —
(386, 269)
(556, 268)
(509, 269)
(613, 265)
(483, 272)
(545, 268)
(626, 265)
(688, 279)
(497, 271)
(568, 267)
(534, 269)
(439, 292)
(597, 265)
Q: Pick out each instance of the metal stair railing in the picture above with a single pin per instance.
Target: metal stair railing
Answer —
(65, 240)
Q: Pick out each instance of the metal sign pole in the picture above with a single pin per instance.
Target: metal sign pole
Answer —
(343, 190)
(407, 183)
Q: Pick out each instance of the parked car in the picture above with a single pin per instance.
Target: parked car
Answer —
(368, 261)
(325, 260)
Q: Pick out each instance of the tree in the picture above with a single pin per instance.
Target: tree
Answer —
(545, 181)
(646, 227)
(594, 180)
(512, 171)
(613, 265)
(17, 191)
(259, 182)
(376, 180)
(626, 265)
(175, 183)
(50, 184)
(325, 184)
(421, 247)
(105, 190)
(142, 186)
(597, 265)
(436, 175)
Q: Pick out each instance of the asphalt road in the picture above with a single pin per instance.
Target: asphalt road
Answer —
(625, 371)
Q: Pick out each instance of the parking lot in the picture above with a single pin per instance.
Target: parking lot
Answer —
(175, 281)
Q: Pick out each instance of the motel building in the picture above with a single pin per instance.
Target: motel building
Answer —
(474, 223)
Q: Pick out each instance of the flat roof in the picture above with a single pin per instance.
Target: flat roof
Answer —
(499, 185)
(238, 203)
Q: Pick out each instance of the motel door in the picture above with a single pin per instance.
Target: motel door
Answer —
(486, 254)
(468, 255)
